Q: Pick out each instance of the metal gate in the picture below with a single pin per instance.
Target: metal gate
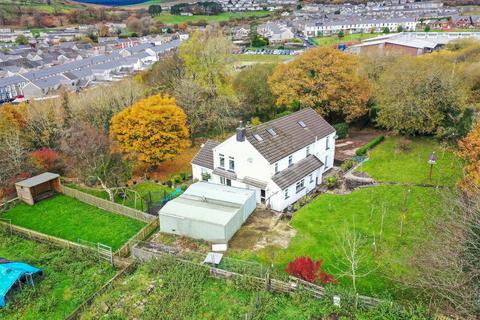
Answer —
(105, 252)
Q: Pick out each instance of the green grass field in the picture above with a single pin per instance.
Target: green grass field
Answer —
(262, 58)
(165, 289)
(387, 163)
(321, 224)
(70, 219)
(169, 19)
(69, 278)
(334, 40)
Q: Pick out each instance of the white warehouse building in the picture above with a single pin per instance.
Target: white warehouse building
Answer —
(208, 211)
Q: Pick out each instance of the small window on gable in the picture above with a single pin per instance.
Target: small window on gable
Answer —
(302, 124)
(272, 132)
(257, 137)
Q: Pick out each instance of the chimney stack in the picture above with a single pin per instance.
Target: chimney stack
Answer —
(241, 132)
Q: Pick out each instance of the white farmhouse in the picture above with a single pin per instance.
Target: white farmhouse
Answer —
(282, 160)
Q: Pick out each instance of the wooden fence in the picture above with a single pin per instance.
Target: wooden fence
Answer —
(108, 205)
(144, 253)
(124, 251)
(111, 283)
(41, 237)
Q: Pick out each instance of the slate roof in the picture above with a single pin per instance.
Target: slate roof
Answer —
(299, 170)
(204, 157)
(290, 135)
(35, 181)
(224, 173)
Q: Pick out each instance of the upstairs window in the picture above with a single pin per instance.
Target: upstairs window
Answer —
(302, 124)
(308, 151)
(222, 160)
(327, 143)
(286, 194)
(231, 163)
(276, 167)
(290, 161)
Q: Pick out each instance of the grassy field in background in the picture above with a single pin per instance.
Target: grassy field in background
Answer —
(70, 219)
(263, 58)
(387, 163)
(335, 40)
(68, 279)
(168, 18)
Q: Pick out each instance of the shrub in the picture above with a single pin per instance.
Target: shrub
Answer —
(176, 178)
(183, 175)
(404, 145)
(168, 183)
(342, 130)
(307, 269)
(332, 182)
(363, 150)
(347, 165)
(183, 187)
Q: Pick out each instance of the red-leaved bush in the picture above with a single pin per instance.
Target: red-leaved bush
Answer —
(44, 159)
(307, 269)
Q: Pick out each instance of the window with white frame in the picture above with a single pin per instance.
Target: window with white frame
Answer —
(276, 167)
(300, 185)
(286, 194)
(326, 161)
(308, 151)
(327, 143)
(290, 160)
(231, 163)
(311, 178)
(222, 160)
(222, 180)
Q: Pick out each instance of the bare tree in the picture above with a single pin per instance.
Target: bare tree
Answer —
(88, 150)
(351, 260)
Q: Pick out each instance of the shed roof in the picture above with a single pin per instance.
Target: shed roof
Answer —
(35, 181)
(208, 202)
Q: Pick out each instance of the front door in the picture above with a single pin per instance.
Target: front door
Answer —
(262, 196)
(229, 182)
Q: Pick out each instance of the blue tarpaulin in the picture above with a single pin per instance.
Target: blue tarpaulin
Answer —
(10, 273)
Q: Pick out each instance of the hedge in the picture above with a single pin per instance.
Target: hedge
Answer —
(363, 150)
(342, 130)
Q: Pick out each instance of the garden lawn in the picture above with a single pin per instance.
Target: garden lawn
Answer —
(334, 40)
(70, 219)
(320, 226)
(69, 278)
(387, 163)
(170, 19)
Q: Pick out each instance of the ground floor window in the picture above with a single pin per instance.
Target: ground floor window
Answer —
(286, 194)
(311, 178)
(300, 185)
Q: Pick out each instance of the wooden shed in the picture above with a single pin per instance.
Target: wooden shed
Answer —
(37, 188)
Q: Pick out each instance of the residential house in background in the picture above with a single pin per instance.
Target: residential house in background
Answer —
(282, 160)
(275, 32)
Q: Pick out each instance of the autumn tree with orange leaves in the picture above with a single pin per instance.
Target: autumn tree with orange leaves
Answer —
(469, 150)
(325, 79)
(152, 130)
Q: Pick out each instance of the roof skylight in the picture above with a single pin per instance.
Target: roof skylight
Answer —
(272, 132)
(257, 137)
(302, 124)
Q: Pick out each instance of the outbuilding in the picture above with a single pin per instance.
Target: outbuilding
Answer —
(38, 188)
(208, 211)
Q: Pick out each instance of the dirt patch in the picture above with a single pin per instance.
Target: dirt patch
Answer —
(345, 148)
(180, 242)
(263, 228)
